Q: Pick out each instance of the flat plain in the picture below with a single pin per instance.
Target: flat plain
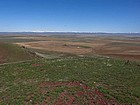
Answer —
(113, 46)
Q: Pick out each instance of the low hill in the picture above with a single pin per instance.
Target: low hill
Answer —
(13, 53)
(70, 81)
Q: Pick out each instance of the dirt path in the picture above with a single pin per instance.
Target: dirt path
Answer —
(15, 62)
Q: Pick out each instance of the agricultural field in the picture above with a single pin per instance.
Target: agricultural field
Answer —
(70, 70)
(118, 47)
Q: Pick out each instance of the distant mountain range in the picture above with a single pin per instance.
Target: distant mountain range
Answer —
(70, 33)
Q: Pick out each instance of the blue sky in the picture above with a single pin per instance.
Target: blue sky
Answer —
(70, 15)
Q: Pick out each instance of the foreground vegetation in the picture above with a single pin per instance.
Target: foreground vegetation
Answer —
(20, 83)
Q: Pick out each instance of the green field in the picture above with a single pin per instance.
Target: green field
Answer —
(19, 84)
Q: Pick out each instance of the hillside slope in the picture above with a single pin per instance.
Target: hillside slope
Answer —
(13, 53)
(70, 81)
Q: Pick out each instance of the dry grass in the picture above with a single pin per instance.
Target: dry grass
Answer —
(127, 49)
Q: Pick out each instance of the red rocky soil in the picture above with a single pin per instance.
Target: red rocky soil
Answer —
(83, 96)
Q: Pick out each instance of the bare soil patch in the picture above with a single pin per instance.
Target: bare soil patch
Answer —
(85, 95)
(89, 46)
(63, 46)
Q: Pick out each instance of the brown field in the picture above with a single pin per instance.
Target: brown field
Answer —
(120, 47)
